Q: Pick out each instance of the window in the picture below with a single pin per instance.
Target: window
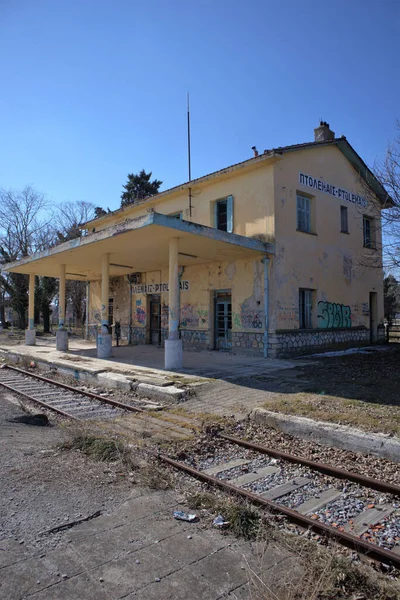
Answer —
(305, 308)
(177, 215)
(303, 213)
(368, 232)
(344, 223)
(223, 216)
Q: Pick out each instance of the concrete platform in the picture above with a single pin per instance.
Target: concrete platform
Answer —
(140, 368)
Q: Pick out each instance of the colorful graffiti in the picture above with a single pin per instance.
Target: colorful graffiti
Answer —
(203, 316)
(140, 313)
(189, 316)
(333, 316)
(192, 317)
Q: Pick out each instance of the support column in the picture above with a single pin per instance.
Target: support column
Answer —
(30, 333)
(62, 333)
(87, 310)
(104, 339)
(173, 345)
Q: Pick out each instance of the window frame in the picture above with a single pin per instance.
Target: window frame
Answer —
(306, 301)
(344, 211)
(370, 242)
(228, 201)
(307, 211)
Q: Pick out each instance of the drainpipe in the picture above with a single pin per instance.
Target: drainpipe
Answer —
(180, 273)
(87, 310)
(266, 306)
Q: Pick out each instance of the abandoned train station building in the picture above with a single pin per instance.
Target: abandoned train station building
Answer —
(277, 255)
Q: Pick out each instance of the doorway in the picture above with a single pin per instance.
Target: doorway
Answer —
(373, 317)
(223, 320)
(155, 319)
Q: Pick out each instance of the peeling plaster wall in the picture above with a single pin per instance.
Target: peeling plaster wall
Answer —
(253, 202)
(243, 278)
(330, 261)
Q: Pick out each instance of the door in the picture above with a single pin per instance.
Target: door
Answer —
(373, 317)
(223, 321)
(155, 320)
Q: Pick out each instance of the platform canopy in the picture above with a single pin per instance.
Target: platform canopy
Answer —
(139, 245)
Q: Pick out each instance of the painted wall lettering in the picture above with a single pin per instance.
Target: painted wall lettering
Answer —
(331, 315)
(332, 190)
(157, 288)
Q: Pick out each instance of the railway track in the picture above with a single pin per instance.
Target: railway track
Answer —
(61, 398)
(359, 512)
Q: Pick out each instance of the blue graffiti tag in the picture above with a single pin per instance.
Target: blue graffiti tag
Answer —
(333, 316)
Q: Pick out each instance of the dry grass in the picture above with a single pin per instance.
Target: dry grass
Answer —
(98, 445)
(321, 407)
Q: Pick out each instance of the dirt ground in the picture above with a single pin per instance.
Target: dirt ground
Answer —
(360, 389)
(42, 487)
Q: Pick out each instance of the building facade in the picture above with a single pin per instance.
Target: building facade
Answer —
(315, 204)
(278, 255)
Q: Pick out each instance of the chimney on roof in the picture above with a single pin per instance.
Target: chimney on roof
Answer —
(323, 133)
(255, 151)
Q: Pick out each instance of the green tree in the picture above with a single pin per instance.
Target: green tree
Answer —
(139, 187)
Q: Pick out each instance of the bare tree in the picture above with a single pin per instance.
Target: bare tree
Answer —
(70, 217)
(22, 219)
(388, 172)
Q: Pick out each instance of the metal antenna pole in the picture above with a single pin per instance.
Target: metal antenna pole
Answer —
(189, 157)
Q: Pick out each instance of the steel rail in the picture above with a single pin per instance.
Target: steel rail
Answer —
(376, 484)
(344, 538)
(115, 403)
(39, 402)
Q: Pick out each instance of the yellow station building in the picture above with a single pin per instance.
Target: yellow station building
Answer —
(277, 255)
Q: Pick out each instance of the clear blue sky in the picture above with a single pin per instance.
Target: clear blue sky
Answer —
(94, 89)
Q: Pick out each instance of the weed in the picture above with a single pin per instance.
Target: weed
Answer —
(99, 448)
(244, 521)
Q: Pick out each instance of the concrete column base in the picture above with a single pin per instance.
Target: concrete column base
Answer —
(173, 354)
(30, 337)
(62, 340)
(104, 345)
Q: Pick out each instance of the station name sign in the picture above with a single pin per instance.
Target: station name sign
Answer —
(332, 190)
(157, 288)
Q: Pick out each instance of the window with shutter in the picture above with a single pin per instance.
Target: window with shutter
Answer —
(303, 213)
(223, 214)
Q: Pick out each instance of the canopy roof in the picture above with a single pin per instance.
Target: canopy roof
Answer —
(139, 245)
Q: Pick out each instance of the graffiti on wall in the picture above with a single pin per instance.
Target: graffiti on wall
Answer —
(192, 317)
(251, 315)
(251, 319)
(332, 315)
(236, 321)
(164, 315)
(140, 313)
